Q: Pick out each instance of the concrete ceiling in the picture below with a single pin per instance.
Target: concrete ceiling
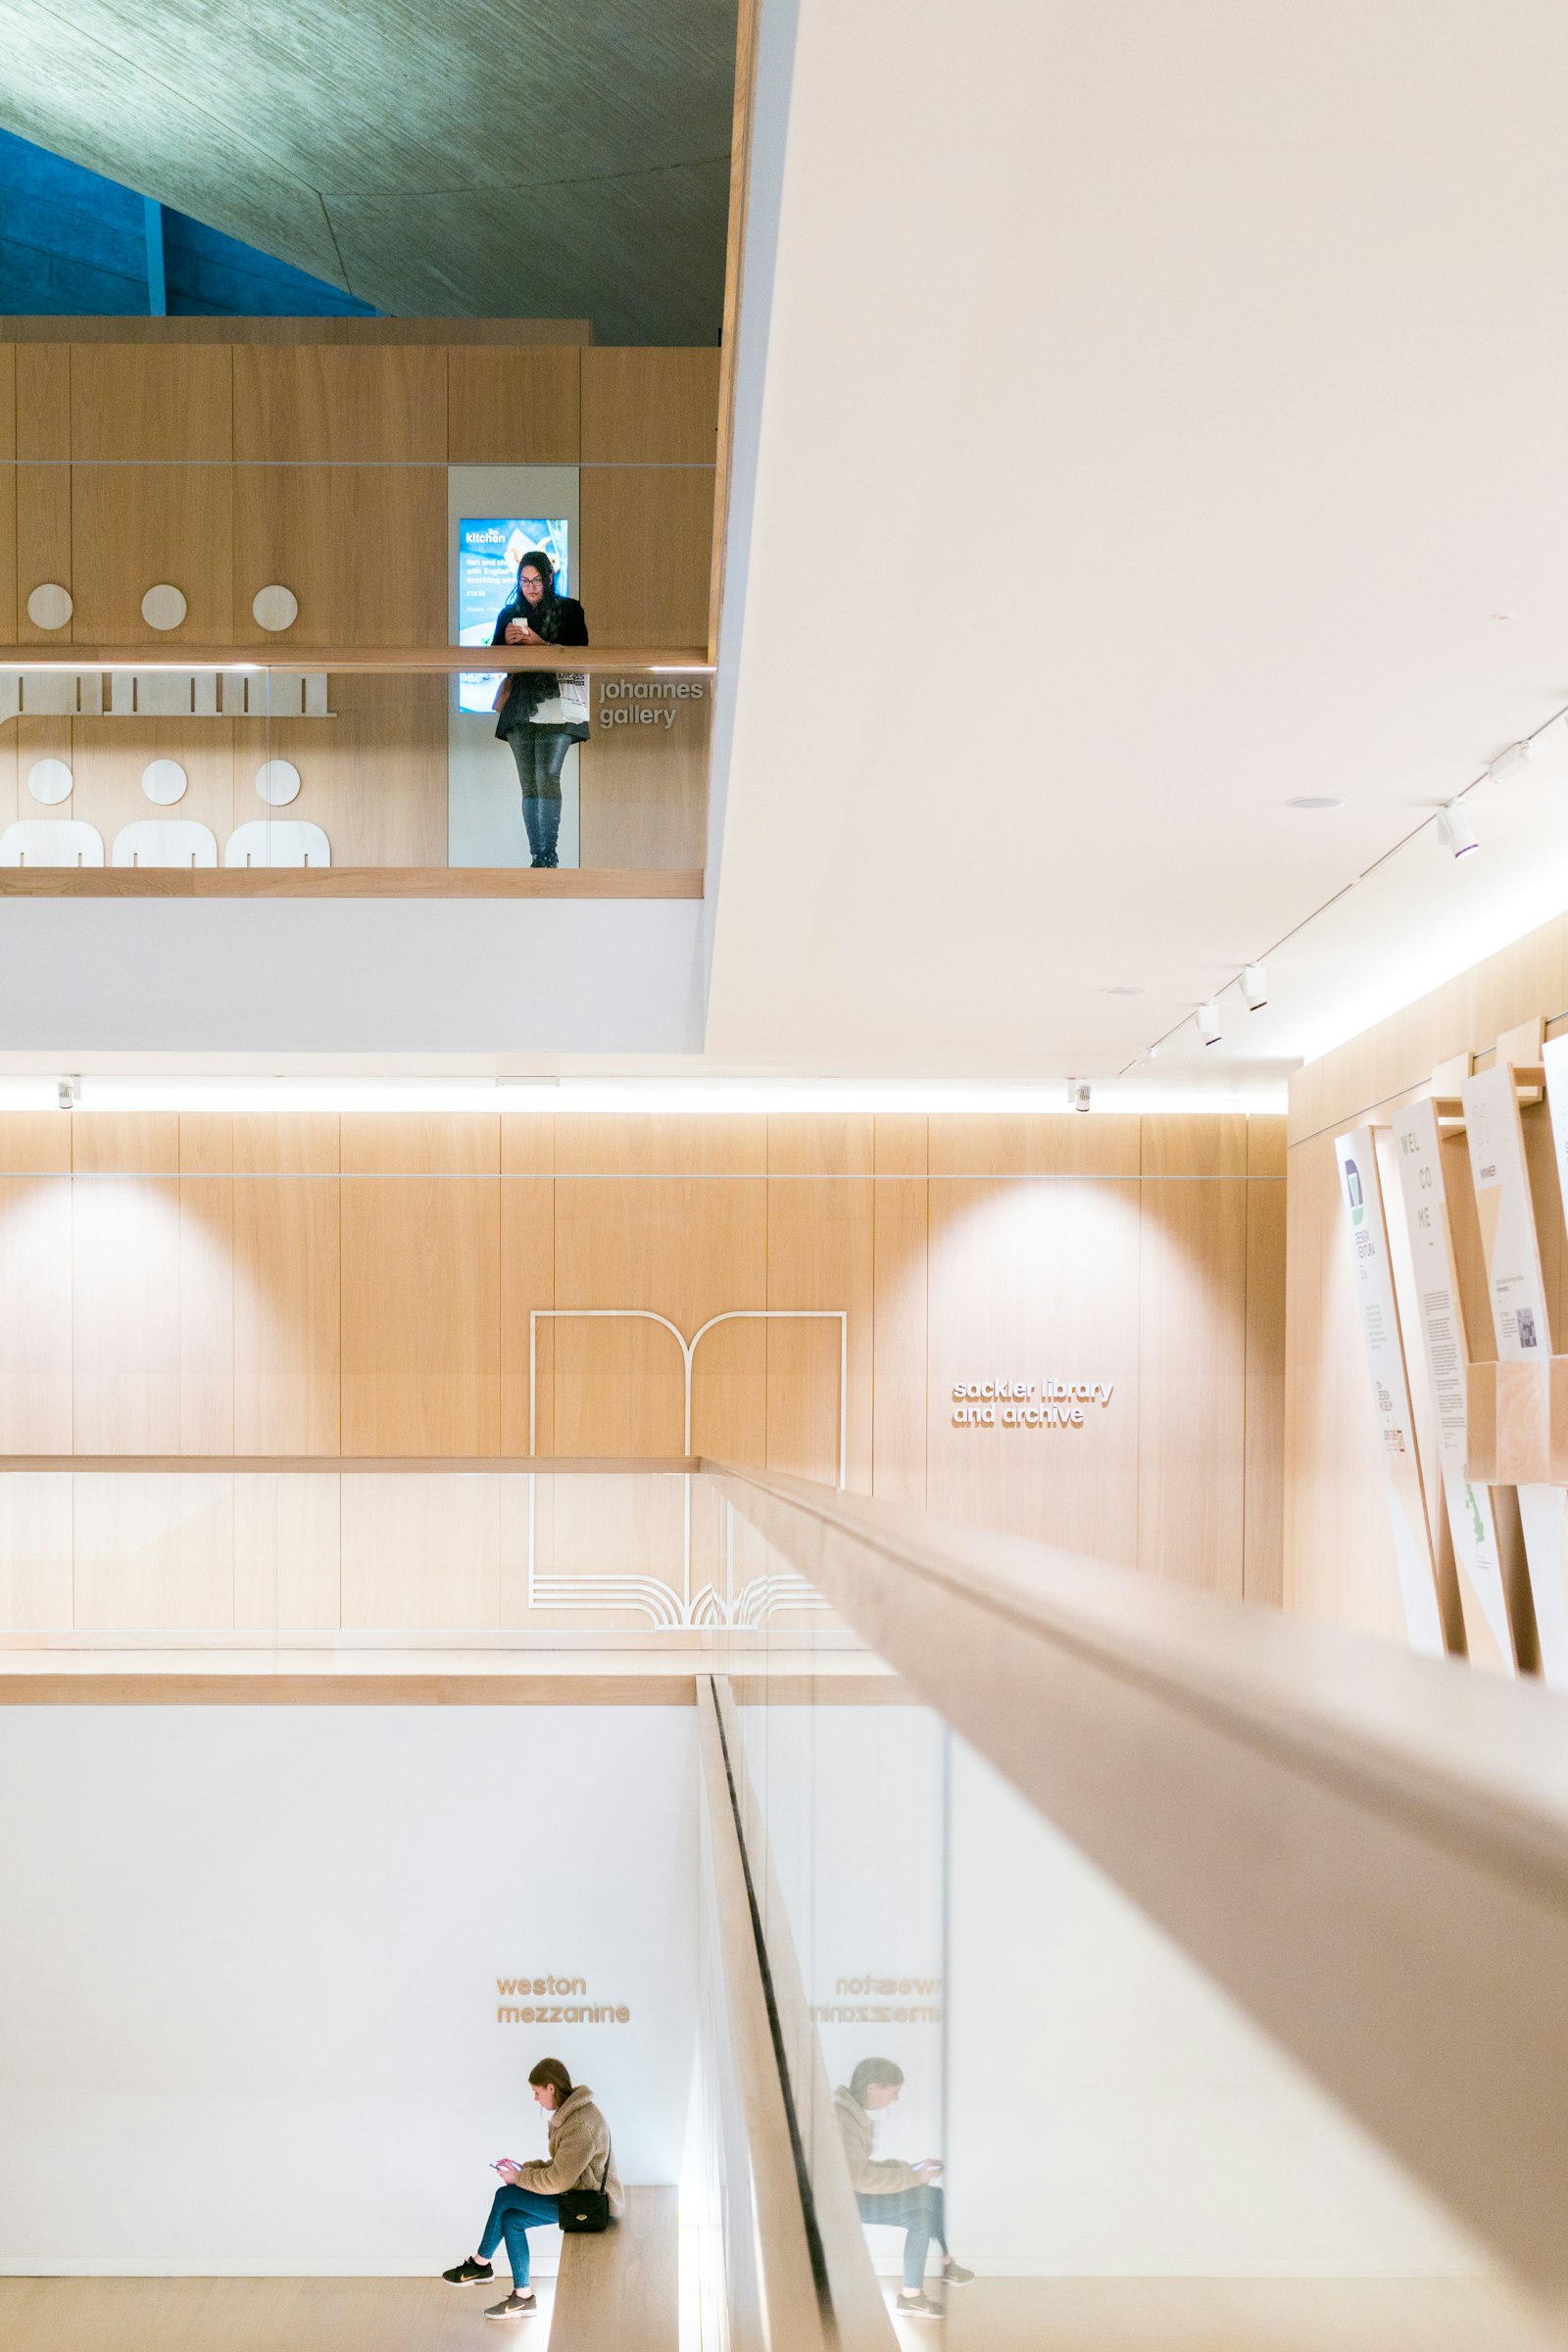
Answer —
(538, 160)
(1163, 419)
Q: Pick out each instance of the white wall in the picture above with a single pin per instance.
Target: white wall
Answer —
(1111, 2114)
(351, 976)
(247, 1980)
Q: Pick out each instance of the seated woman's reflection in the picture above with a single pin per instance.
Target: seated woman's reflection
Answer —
(900, 2196)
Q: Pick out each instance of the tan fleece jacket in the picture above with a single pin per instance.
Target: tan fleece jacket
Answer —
(870, 2176)
(579, 2142)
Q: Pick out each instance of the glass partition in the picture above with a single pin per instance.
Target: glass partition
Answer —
(1004, 2067)
(253, 769)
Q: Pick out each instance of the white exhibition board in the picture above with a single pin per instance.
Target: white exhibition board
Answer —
(1366, 1225)
(1489, 1637)
(1517, 1290)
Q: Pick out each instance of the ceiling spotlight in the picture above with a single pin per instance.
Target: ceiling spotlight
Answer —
(68, 1093)
(1254, 986)
(1455, 831)
(1078, 1094)
(1210, 1028)
(1514, 757)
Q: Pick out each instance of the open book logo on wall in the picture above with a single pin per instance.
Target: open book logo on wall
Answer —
(723, 1600)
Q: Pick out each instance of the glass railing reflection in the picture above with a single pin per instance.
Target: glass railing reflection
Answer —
(239, 767)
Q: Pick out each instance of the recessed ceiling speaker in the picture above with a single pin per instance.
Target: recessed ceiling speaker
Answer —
(274, 609)
(49, 606)
(164, 781)
(1455, 830)
(49, 781)
(163, 606)
(1210, 1028)
(278, 782)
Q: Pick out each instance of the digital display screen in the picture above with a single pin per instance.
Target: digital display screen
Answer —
(489, 550)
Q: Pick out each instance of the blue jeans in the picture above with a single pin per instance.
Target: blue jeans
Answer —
(513, 2212)
(916, 2210)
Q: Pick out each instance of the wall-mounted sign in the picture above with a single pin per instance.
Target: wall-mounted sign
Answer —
(1501, 1176)
(1489, 1637)
(646, 702)
(541, 2011)
(1028, 1404)
(1368, 1233)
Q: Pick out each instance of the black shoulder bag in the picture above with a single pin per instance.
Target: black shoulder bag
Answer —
(587, 2209)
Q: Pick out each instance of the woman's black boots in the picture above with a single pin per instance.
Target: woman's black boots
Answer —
(543, 820)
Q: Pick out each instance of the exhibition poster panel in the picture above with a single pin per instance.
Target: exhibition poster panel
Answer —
(1489, 1637)
(1368, 1231)
(1500, 1174)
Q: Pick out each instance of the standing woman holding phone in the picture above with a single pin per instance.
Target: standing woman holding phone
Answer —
(542, 715)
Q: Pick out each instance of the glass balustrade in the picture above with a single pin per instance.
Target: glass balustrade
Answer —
(287, 774)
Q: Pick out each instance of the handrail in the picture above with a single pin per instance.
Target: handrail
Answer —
(860, 2317)
(797, 2319)
(169, 653)
(1368, 1850)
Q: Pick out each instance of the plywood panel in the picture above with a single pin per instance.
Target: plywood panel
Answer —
(513, 407)
(146, 402)
(35, 1319)
(1263, 1523)
(1191, 1380)
(373, 778)
(527, 1283)
(43, 552)
(644, 790)
(683, 1250)
(8, 491)
(821, 1256)
(649, 407)
(286, 1385)
(287, 1552)
(153, 1548)
(37, 1574)
(109, 757)
(421, 1281)
(647, 537)
(363, 548)
(206, 1285)
(421, 1551)
(1048, 1144)
(610, 1143)
(43, 400)
(1031, 1282)
(1194, 1145)
(899, 1312)
(326, 403)
(133, 527)
(126, 1258)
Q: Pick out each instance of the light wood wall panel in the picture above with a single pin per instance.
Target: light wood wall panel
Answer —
(43, 400)
(647, 545)
(420, 1286)
(139, 403)
(363, 548)
(323, 404)
(133, 527)
(644, 792)
(7, 494)
(648, 407)
(521, 407)
(358, 1286)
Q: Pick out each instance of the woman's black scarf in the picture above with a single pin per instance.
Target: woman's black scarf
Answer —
(529, 687)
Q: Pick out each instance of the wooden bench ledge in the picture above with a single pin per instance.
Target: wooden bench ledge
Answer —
(617, 2292)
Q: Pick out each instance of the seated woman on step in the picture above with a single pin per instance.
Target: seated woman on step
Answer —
(529, 2198)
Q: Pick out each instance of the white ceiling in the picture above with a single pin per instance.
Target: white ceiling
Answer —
(1165, 415)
